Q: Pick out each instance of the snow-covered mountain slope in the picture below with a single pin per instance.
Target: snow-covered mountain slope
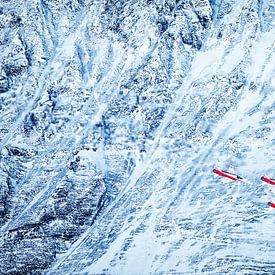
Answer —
(113, 115)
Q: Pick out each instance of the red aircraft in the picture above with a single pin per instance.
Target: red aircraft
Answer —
(236, 177)
(227, 175)
(268, 180)
(272, 182)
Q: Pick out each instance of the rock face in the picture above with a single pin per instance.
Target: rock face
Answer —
(112, 116)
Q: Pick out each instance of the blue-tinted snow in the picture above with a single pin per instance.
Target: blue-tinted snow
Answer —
(113, 115)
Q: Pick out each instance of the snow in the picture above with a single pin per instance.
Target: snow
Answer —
(121, 129)
(172, 252)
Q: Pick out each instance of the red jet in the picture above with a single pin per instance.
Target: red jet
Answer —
(272, 182)
(227, 175)
(268, 180)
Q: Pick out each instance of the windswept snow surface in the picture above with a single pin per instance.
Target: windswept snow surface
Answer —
(113, 116)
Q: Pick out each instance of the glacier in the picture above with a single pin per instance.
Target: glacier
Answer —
(113, 115)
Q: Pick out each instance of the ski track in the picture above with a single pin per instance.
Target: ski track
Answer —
(179, 198)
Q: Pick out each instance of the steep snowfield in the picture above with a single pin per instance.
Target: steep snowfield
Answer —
(173, 215)
(111, 124)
